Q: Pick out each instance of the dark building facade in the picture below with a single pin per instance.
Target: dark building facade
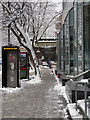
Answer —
(74, 38)
(46, 49)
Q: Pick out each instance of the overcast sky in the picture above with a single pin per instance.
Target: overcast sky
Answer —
(57, 1)
(59, 4)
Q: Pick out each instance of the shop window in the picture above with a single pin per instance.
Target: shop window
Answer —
(71, 63)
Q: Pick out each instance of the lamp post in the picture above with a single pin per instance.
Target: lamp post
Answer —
(9, 27)
(9, 35)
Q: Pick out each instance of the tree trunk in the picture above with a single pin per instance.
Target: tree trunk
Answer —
(35, 61)
(32, 62)
(28, 45)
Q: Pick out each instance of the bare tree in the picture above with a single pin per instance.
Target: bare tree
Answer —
(29, 21)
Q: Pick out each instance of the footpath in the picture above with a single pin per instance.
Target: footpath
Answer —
(41, 101)
(38, 100)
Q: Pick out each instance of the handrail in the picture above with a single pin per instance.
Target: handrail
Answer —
(74, 77)
(83, 73)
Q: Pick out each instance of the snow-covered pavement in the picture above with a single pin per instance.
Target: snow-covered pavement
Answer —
(24, 83)
(37, 98)
(34, 100)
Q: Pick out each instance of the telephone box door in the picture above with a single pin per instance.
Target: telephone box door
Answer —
(11, 69)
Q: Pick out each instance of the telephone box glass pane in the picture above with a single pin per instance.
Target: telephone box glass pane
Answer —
(23, 73)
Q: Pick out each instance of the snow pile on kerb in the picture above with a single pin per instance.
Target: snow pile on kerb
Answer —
(73, 113)
(31, 70)
(61, 90)
(36, 80)
(24, 83)
(10, 90)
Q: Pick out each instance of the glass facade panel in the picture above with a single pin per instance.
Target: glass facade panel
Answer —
(71, 37)
(61, 50)
(75, 40)
(67, 45)
(86, 1)
(87, 37)
(71, 17)
(80, 37)
(63, 47)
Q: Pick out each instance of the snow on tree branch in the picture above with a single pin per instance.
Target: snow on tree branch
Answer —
(29, 21)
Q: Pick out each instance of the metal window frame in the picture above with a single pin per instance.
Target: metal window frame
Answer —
(75, 4)
(69, 35)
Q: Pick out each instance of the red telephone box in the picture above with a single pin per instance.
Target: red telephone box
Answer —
(10, 66)
(24, 65)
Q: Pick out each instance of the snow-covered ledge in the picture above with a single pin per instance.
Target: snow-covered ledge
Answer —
(73, 113)
(83, 81)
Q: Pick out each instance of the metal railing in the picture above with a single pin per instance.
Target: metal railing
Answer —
(85, 83)
(83, 73)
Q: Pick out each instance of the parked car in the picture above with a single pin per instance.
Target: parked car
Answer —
(44, 63)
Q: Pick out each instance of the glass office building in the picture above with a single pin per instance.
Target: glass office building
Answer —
(74, 39)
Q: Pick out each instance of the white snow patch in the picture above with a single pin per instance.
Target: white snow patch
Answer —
(10, 90)
(46, 67)
(55, 76)
(81, 104)
(58, 101)
(51, 73)
(31, 70)
(61, 90)
(73, 112)
(65, 112)
(84, 81)
(36, 80)
(24, 83)
(57, 87)
(0, 72)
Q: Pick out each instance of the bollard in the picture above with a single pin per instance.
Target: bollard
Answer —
(51, 70)
(76, 95)
(85, 100)
(57, 79)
